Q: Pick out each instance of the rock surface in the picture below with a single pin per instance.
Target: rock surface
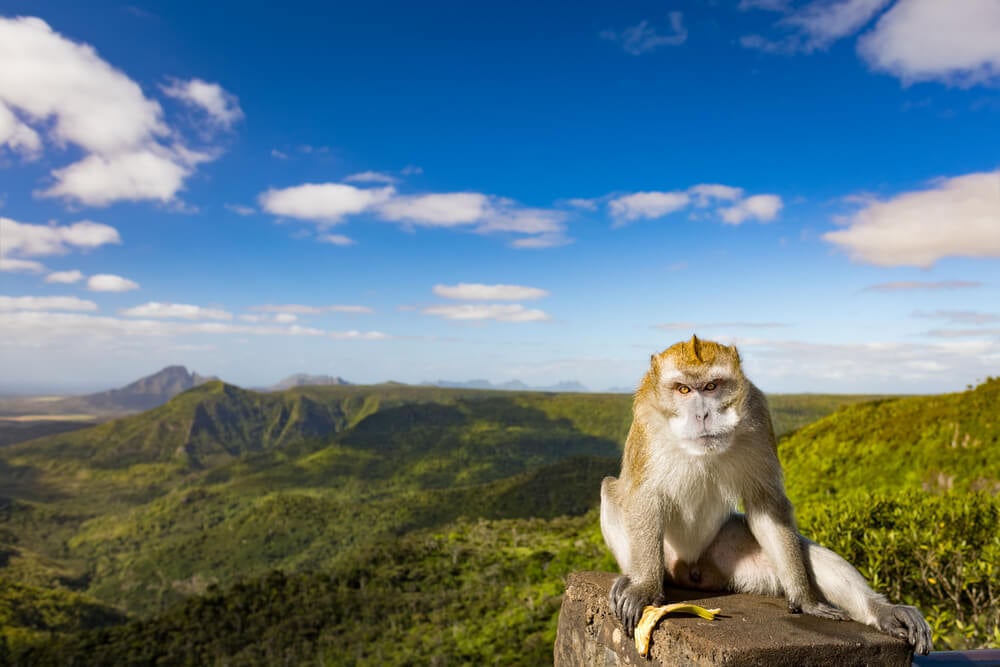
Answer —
(751, 630)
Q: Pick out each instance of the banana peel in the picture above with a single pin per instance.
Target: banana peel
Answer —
(651, 616)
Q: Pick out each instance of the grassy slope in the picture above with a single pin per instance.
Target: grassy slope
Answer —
(222, 484)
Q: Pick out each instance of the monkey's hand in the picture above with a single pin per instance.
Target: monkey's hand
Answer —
(628, 599)
(906, 622)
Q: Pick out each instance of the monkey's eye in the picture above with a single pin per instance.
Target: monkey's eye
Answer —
(711, 386)
(684, 389)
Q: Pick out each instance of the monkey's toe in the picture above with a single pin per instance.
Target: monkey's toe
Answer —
(907, 623)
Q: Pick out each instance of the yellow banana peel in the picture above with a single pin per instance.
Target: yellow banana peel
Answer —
(651, 616)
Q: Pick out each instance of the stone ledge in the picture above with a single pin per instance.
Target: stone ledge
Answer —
(751, 630)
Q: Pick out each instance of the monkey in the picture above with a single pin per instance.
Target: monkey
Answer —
(702, 442)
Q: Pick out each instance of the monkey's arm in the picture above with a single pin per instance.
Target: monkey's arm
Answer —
(773, 526)
(634, 531)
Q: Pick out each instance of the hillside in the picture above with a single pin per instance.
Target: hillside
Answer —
(930, 443)
(306, 380)
(190, 515)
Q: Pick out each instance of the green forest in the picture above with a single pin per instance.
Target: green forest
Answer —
(349, 525)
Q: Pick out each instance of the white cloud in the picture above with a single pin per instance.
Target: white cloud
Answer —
(43, 328)
(336, 239)
(11, 265)
(275, 153)
(323, 202)
(354, 334)
(968, 317)
(19, 240)
(647, 205)
(17, 136)
(481, 292)
(644, 38)
(30, 240)
(437, 210)
(870, 367)
(64, 277)
(825, 22)
(106, 282)
(815, 25)
(956, 217)
(957, 42)
(240, 209)
(371, 177)
(329, 203)
(285, 318)
(541, 241)
(907, 285)
(695, 327)
(411, 170)
(183, 311)
(766, 5)
(98, 180)
(221, 106)
(501, 312)
(67, 90)
(584, 204)
(758, 207)
(301, 309)
(20, 303)
(705, 194)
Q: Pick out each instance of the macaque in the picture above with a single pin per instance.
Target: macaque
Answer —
(702, 442)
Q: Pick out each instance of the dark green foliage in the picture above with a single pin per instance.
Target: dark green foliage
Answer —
(407, 525)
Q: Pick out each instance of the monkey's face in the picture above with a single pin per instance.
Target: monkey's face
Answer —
(699, 386)
(704, 416)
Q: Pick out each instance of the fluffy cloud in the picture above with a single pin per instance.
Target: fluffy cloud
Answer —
(815, 25)
(437, 210)
(19, 240)
(968, 317)
(880, 367)
(921, 40)
(330, 203)
(644, 38)
(505, 312)
(22, 303)
(222, 107)
(182, 311)
(647, 205)
(106, 282)
(64, 277)
(66, 90)
(240, 209)
(481, 292)
(354, 334)
(371, 177)
(336, 239)
(759, 207)
(322, 202)
(301, 309)
(955, 217)
(652, 205)
(17, 136)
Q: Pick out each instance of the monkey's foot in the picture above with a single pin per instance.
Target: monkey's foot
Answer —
(906, 622)
(819, 609)
(628, 600)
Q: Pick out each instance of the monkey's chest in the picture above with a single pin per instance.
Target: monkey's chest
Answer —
(691, 522)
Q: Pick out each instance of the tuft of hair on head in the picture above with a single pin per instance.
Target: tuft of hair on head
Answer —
(697, 352)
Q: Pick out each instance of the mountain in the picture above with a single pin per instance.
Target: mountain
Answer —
(510, 385)
(145, 393)
(306, 380)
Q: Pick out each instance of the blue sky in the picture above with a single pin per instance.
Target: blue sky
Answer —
(416, 191)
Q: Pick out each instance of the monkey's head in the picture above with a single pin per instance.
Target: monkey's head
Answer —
(699, 386)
